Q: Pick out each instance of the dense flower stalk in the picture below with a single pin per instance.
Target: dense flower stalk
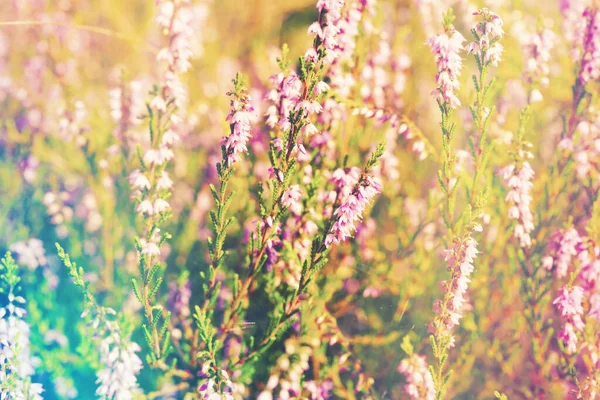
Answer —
(120, 363)
(16, 363)
(569, 304)
(518, 178)
(459, 261)
(590, 63)
(117, 380)
(151, 183)
(351, 209)
(536, 51)
(240, 118)
(446, 48)
(562, 250)
(419, 384)
(518, 181)
(573, 24)
(487, 33)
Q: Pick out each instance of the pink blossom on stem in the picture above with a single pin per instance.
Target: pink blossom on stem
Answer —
(518, 181)
(445, 48)
(351, 209)
(573, 24)
(459, 260)
(487, 34)
(291, 199)
(569, 303)
(590, 62)
(562, 248)
(419, 383)
(536, 52)
(240, 118)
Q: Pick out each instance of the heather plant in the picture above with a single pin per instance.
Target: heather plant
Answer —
(331, 199)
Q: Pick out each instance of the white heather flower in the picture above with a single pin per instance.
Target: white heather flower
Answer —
(164, 182)
(139, 181)
(117, 380)
(160, 205)
(15, 358)
(30, 253)
(145, 207)
(150, 248)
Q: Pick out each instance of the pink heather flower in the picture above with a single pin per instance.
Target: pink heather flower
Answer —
(490, 31)
(589, 260)
(321, 87)
(145, 207)
(164, 182)
(169, 138)
(139, 181)
(310, 106)
(536, 52)
(590, 63)
(174, 18)
(351, 210)
(160, 206)
(446, 48)
(569, 303)
(150, 248)
(276, 173)
(459, 260)
(595, 306)
(158, 104)
(520, 185)
(419, 383)
(240, 118)
(291, 199)
(562, 247)
(569, 338)
(309, 129)
(152, 156)
(344, 180)
(573, 24)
